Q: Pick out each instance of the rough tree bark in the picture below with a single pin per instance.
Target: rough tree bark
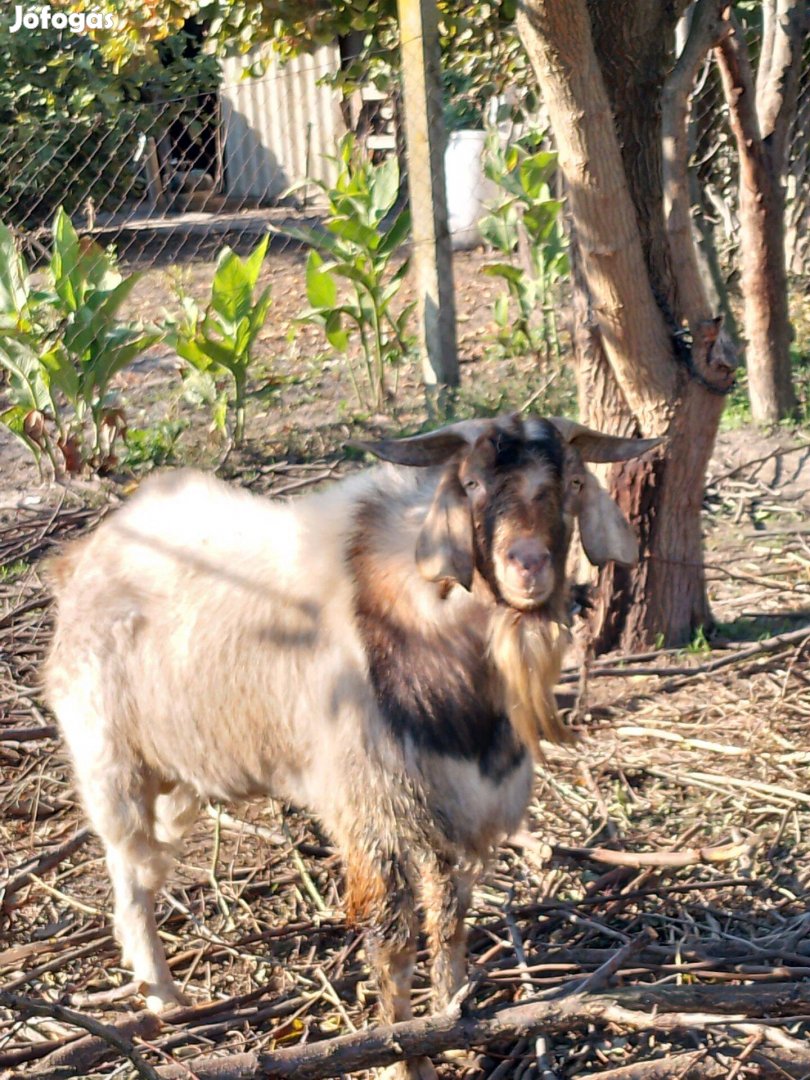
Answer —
(601, 69)
(760, 112)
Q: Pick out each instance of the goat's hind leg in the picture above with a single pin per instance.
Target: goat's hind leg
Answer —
(120, 798)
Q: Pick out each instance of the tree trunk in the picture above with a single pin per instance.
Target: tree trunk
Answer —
(760, 118)
(601, 73)
(765, 292)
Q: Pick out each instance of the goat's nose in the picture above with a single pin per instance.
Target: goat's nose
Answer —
(528, 556)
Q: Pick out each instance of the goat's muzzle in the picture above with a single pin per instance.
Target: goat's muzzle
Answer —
(527, 575)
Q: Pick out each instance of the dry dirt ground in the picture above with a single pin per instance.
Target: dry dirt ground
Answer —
(665, 859)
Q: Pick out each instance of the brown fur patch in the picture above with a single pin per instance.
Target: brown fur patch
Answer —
(365, 891)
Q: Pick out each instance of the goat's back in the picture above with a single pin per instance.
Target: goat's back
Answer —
(197, 625)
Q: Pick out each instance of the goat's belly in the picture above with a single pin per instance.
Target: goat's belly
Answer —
(260, 720)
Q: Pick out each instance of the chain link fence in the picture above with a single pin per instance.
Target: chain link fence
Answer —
(172, 181)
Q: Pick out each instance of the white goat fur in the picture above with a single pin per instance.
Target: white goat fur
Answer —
(206, 649)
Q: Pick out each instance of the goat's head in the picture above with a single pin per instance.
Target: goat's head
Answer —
(507, 499)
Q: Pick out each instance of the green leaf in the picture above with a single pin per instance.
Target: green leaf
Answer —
(500, 230)
(335, 334)
(219, 416)
(501, 309)
(355, 273)
(96, 319)
(506, 271)
(14, 419)
(253, 262)
(231, 291)
(243, 338)
(348, 228)
(536, 170)
(219, 353)
(258, 315)
(28, 380)
(14, 285)
(316, 238)
(64, 265)
(199, 387)
(116, 357)
(397, 234)
(63, 374)
(384, 187)
(541, 218)
(321, 284)
(189, 350)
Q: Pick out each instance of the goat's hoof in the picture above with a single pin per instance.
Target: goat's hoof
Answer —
(413, 1069)
(162, 997)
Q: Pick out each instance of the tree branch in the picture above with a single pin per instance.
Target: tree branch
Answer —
(776, 90)
(706, 29)
(22, 875)
(732, 57)
(663, 1008)
(111, 1036)
(765, 46)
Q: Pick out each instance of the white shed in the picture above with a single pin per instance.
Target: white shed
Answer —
(280, 128)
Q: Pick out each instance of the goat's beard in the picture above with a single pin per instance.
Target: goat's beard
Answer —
(527, 649)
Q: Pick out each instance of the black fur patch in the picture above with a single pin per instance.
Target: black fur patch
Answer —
(435, 693)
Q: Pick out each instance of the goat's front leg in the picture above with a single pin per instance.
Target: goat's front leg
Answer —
(380, 898)
(447, 890)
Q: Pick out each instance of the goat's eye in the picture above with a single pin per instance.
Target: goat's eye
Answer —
(576, 484)
(471, 484)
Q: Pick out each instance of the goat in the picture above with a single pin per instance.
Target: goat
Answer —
(382, 653)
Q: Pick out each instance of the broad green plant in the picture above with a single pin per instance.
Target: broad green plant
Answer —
(219, 340)
(62, 345)
(524, 223)
(350, 284)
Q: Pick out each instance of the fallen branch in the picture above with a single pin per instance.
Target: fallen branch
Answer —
(660, 1007)
(22, 875)
(605, 972)
(638, 859)
(714, 1063)
(28, 734)
(81, 1056)
(109, 1035)
(718, 781)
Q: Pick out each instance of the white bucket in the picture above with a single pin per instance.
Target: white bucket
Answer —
(468, 189)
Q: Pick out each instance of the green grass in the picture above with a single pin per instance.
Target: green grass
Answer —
(146, 448)
(11, 571)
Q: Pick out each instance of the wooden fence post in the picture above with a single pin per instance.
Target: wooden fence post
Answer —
(425, 143)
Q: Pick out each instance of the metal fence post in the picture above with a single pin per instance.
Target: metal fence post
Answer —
(425, 142)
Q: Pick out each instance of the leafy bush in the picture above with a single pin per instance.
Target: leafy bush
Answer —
(71, 114)
(356, 249)
(219, 340)
(152, 446)
(62, 346)
(524, 222)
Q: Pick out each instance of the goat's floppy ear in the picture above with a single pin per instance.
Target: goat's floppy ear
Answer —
(444, 548)
(430, 448)
(603, 529)
(596, 446)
